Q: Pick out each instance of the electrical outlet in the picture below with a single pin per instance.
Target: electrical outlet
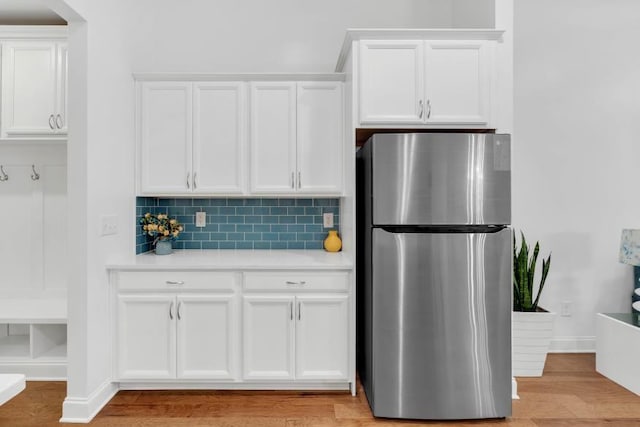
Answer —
(565, 308)
(327, 220)
(201, 219)
(108, 225)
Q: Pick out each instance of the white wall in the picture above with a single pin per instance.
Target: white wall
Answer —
(474, 13)
(576, 150)
(265, 36)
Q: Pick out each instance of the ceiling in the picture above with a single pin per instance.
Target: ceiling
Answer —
(18, 13)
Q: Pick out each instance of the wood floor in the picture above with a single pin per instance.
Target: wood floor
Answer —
(570, 393)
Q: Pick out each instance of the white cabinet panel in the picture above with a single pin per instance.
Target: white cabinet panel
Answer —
(273, 137)
(457, 82)
(319, 137)
(54, 231)
(146, 336)
(322, 337)
(391, 81)
(207, 334)
(34, 85)
(268, 337)
(219, 127)
(165, 134)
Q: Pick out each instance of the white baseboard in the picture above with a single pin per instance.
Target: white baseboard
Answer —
(83, 409)
(573, 345)
(514, 389)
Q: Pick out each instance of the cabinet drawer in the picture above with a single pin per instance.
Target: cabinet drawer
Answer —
(159, 280)
(296, 281)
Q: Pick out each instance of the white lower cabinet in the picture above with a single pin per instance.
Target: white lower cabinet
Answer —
(301, 337)
(176, 336)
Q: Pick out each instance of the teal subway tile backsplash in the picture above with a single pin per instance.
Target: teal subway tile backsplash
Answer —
(242, 223)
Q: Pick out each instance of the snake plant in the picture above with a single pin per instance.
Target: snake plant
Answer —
(524, 269)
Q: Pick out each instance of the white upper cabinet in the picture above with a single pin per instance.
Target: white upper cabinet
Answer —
(273, 137)
(296, 137)
(418, 82)
(165, 137)
(218, 137)
(319, 137)
(391, 81)
(34, 84)
(457, 82)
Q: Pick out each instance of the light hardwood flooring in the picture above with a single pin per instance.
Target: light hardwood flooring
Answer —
(570, 393)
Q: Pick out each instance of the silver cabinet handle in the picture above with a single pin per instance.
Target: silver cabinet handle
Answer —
(171, 282)
(188, 181)
(171, 311)
(299, 311)
(178, 311)
(420, 108)
(3, 175)
(299, 179)
(293, 179)
(428, 108)
(291, 310)
(51, 124)
(302, 282)
(195, 180)
(59, 121)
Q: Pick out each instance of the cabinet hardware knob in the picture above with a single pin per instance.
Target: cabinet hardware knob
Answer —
(51, 125)
(171, 311)
(420, 108)
(188, 180)
(59, 121)
(178, 311)
(171, 282)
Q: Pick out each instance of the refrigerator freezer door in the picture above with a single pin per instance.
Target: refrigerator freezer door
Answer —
(441, 334)
(441, 179)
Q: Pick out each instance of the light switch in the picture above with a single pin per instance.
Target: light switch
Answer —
(108, 225)
(327, 220)
(201, 219)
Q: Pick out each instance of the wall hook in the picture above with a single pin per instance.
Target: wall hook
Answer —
(34, 176)
(3, 175)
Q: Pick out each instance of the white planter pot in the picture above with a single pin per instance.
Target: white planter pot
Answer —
(531, 332)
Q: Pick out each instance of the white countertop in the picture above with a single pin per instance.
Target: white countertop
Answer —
(221, 259)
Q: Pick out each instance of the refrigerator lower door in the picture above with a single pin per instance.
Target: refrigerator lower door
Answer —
(441, 325)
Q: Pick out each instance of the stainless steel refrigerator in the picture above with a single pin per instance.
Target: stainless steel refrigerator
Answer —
(434, 275)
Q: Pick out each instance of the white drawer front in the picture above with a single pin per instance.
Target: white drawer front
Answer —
(296, 281)
(177, 280)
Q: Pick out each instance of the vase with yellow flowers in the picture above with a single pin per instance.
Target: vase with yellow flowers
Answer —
(163, 230)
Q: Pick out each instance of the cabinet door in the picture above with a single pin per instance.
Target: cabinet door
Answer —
(28, 88)
(268, 337)
(219, 137)
(146, 337)
(391, 82)
(207, 334)
(457, 82)
(61, 88)
(322, 337)
(319, 137)
(273, 133)
(165, 137)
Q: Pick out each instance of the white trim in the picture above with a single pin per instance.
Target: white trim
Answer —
(354, 34)
(238, 76)
(33, 32)
(84, 409)
(514, 389)
(245, 385)
(573, 345)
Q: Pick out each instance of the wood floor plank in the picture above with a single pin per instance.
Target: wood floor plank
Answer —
(570, 393)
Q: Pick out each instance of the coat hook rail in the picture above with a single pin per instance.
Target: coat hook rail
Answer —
(3, 175)
(35, 175)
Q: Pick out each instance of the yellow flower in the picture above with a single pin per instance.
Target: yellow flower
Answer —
(144, 227)
(161, 228)
(175, 234)
(180, 228)
(172, 222)
(147, 215)
(166, 232)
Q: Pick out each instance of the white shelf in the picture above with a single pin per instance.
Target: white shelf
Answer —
(14, 346)
(57, 352)
(34, 310)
